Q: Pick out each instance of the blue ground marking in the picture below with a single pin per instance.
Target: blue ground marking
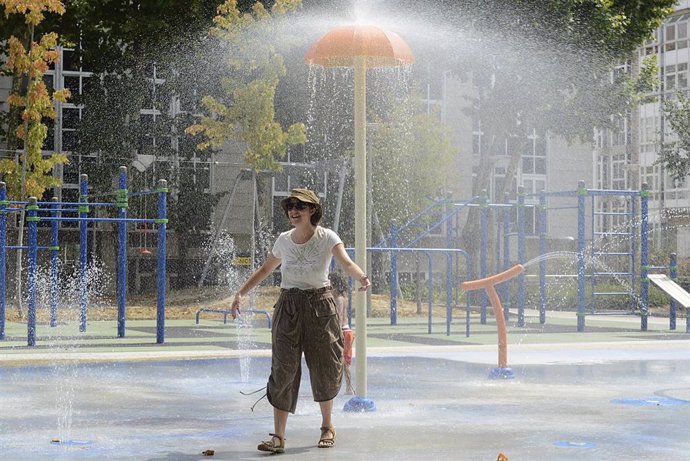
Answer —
(571, 444)
(652, 402)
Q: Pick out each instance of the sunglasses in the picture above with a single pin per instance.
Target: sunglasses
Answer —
(299, 206)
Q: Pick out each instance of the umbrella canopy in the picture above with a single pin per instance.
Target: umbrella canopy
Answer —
(340, 46)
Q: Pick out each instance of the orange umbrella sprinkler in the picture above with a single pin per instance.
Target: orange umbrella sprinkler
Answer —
(489, 284)
(360, 47)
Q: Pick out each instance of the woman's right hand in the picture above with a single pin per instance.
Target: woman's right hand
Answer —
(235, 306)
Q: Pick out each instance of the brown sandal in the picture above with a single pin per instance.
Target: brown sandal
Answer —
(327, 437)
(270, 445)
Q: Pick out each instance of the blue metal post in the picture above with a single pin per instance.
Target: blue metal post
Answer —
(83, 249)
(431, 290)
(54, 255)
(394, 274)
(449, 262)
(673, 269)
(162, 222)
(3, 262)
(122, 205)
(32, 229)
(644, 255)
(484, 223)
(3, 255)
(449, 292)
(542, 263)
(521, 255)
(581, 195)
(506, 256)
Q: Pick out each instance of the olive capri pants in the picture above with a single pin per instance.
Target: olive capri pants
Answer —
(305, 321)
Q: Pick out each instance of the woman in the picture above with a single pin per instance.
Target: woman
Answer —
(305, 318)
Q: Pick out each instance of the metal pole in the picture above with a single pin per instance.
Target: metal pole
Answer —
(83, 249)
(54, 255)
(483, 219)
(3, 261)
(162, 222)
(521, 255)
(506, 255)
(581, 194)
(394, 274)
(360, 219)
(32, 230)
(542, 263)
(644, 253)
(673, 268)
(219, 228)
(122, 205)
(431, 289)
(449, 292)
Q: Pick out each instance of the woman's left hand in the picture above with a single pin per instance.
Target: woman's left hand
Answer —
(364, 283)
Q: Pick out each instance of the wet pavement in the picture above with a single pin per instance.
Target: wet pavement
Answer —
(623, 400)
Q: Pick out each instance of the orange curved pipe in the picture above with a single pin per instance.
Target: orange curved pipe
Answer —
(494, 279)
(488, 284)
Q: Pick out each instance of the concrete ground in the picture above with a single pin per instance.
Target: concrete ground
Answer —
(611, 392)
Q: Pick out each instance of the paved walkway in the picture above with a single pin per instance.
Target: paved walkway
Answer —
(612, 392)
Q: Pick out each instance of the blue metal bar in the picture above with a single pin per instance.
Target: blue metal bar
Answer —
(633, 244)
(673, 272)
(3, 261)
(83, 250)
(506, 256)
(54, 276)
(542, 263)
(32, 229)
(644, 255)
(162, 255)
(80, 219)
(449, 292)
(143, 192)
(49, 205)
(394, 275)
(123, 203)
(497, 244)
(616, 192)
(449, 267)
(431, 290)
(521, 255)
(562, 194)
(592, 278)
(26, 247)
(581, 195)
(483, 221)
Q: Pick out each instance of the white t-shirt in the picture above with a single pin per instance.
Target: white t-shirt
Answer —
(305, 266)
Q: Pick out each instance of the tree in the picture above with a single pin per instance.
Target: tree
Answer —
(545, 65)
(28, 61)
(255, 69)
(31, 175)
(675, 155)
(412, 156)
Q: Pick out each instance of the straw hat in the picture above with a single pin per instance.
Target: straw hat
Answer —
(306, 196)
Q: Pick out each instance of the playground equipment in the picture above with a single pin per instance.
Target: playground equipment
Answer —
(489, 285)
(678, 295)
(53, 212)
(618, 237)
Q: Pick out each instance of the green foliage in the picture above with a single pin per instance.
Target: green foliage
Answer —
(412, 156)
(254, 71)
(675, 155)
(32, 175)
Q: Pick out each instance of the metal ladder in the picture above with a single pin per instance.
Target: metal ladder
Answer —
(612, 251)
